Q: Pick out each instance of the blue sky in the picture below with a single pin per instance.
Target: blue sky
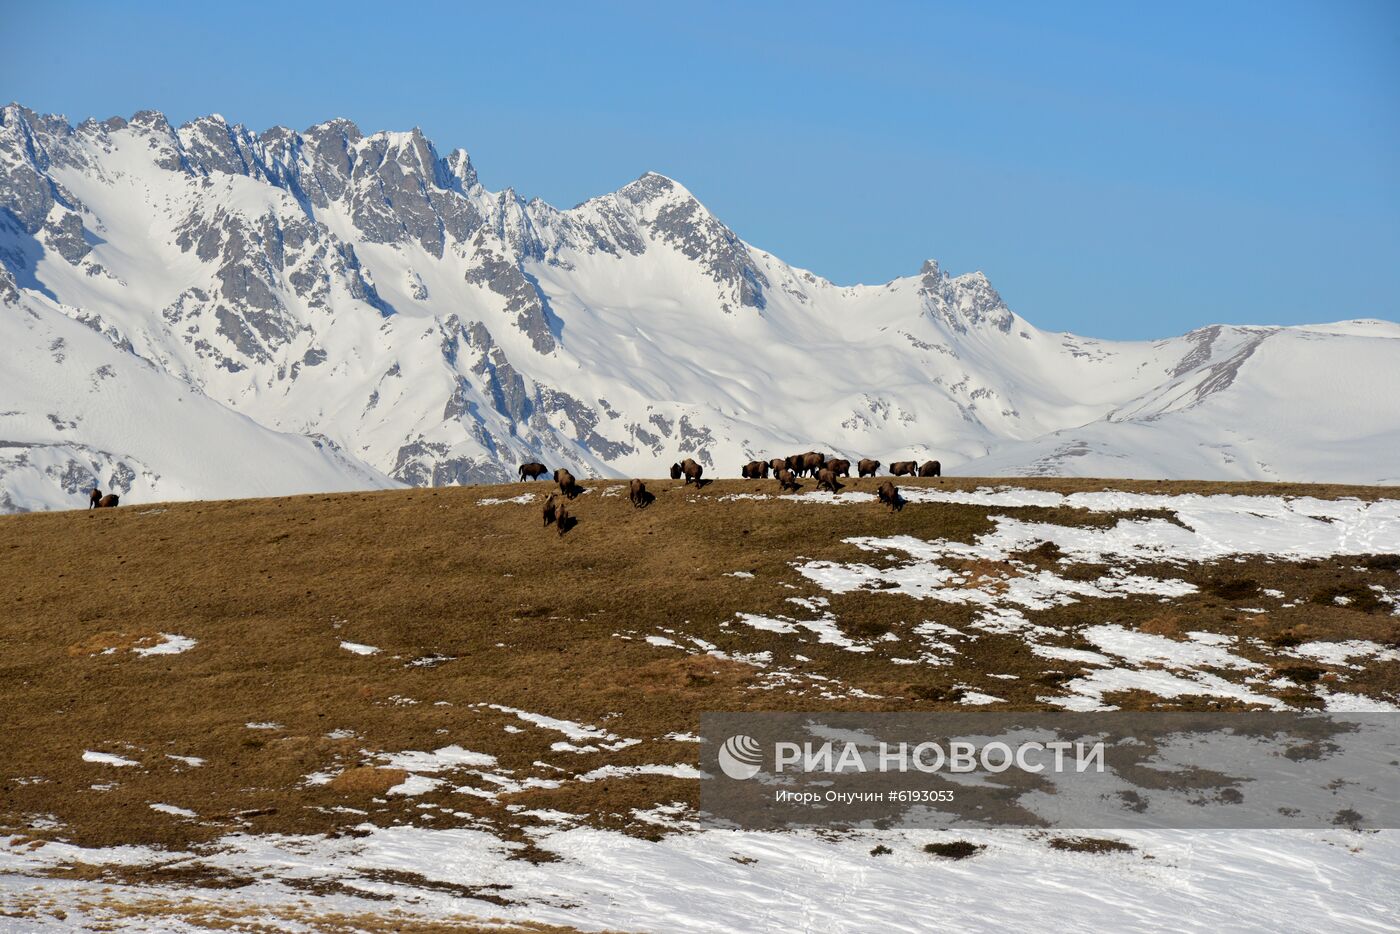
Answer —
(1124, 170)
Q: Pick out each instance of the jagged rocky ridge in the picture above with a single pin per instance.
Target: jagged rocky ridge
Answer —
(341, 310)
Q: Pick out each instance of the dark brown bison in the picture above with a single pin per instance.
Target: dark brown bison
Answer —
(676, 471)
(551, 509)
(777, 464)
(567, 484)
(803, 464)
(94, 498)
(826, 480)
(533, 470)
(639, 494)
(691, 470)
(839, 467)
(108, 501)
(564, 521)
(756, 470)
(889, 495)
(868, 467)
(931, 469)
(787, 480)
(904, 468)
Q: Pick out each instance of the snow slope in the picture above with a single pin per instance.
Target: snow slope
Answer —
(368, 293)
(733, 881)
(81, 410)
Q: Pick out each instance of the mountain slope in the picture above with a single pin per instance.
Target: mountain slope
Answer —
(421, 706)
(366, 292)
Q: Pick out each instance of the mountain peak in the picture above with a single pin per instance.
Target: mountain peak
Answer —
(338, 126)
(653, 186)
(459, 164)
(152, 120)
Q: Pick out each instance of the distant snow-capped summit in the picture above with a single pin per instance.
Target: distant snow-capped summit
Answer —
(205, 310)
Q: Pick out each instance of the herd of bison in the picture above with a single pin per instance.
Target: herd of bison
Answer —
(785, 470)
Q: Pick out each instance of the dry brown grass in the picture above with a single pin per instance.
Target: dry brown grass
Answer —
(107, 643)
(111, 910)
(509, 614)
(1167, 624)
(367, 780)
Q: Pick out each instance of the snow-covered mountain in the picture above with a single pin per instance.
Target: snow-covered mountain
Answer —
(208, 311)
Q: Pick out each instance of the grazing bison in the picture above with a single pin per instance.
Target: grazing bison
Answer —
(777, 464)
(903, 468)
(787, 480)
(806, 462)
(533, 470)
(639, 494)
(889, 495)
(567, 484)
(690, 469)
(826, 480)
(551, 509)
(931, 469)
(108, 501)
(756, 470)
(839, 467)
(868, 467)
(94, 498)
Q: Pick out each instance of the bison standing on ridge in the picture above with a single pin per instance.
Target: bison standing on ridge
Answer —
(675, 471)
(840, 467)
(108, 501)
(826, 480)
(94, 498)
(756, 470)
(903, 468)
(931, 469)
(787, 480)
(813, 461)
(639, 494)
(868, 467)
(692, 471)
(567, 484)
(889, 495)
(777, 464)
(533, 470)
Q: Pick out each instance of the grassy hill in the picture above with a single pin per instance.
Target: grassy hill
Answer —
(334, 633)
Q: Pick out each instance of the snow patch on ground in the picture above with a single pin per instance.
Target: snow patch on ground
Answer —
(1341, 653)
(172, 645)
(439, 760)
(107, 758)
(1169, 668)
(523, 499)
(824, 628)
